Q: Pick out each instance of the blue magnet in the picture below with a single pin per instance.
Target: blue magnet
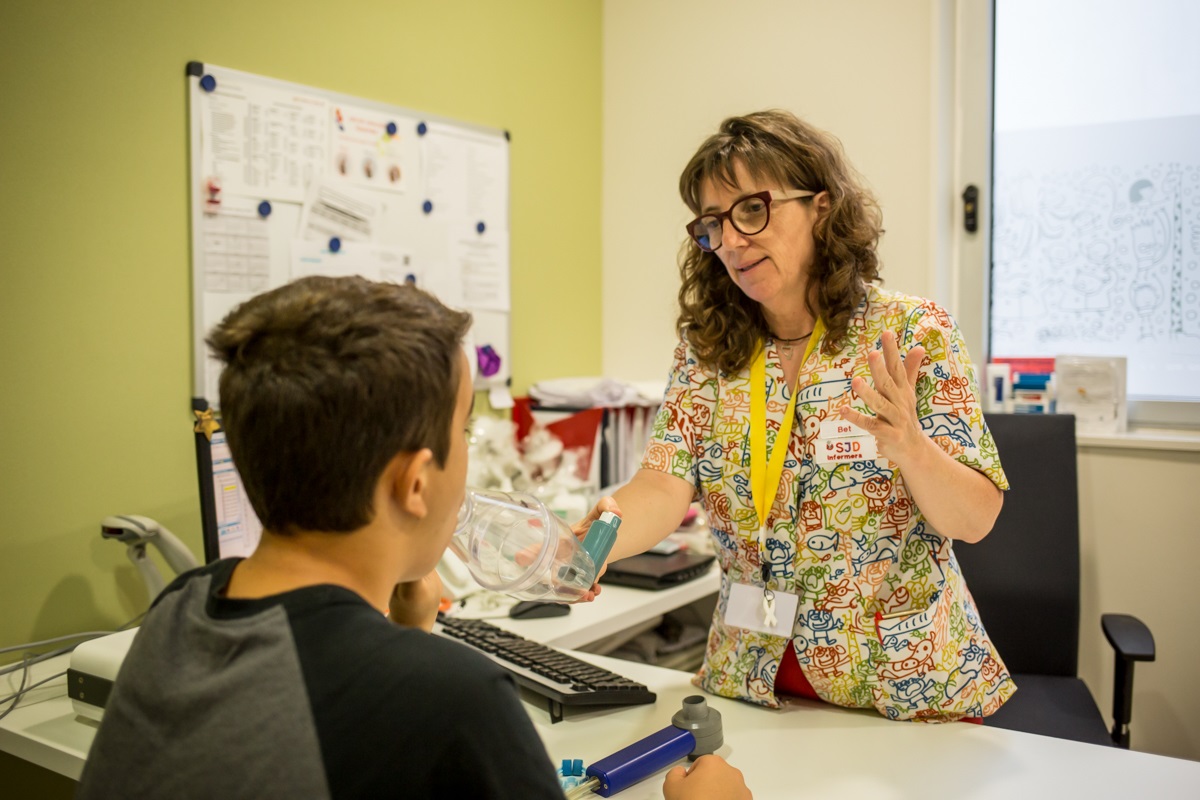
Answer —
(480, 227)
(264, 209)
(427, 206)
(422, 129)
(208, 83)
(391, 129)
(335, 244)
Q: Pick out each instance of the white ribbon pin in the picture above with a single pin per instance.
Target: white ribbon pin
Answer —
(768, 606)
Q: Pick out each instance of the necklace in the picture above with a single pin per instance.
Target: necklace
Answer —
(786, 345)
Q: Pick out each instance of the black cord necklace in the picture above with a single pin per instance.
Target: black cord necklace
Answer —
(785, 345)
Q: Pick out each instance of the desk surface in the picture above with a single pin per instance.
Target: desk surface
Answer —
(43, 728)
(813, 750)
(806, 750)
(618, 608)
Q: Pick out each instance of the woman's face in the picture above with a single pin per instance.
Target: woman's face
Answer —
(772, 266)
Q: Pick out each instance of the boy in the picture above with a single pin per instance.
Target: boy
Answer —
(345, 404)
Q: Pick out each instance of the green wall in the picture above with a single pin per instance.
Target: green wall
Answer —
(95, 350)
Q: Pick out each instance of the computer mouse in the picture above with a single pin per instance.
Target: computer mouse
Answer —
(535, 609)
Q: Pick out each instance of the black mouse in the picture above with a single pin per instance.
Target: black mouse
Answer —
(534, 609)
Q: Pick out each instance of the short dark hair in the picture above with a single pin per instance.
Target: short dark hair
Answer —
(325, 381)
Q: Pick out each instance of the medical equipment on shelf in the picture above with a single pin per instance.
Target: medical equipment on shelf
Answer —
(512, 543)
(695, 730)
(137, 532)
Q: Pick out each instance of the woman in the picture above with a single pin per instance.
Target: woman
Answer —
(839, 580)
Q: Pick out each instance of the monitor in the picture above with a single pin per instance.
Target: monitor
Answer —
(231, 527)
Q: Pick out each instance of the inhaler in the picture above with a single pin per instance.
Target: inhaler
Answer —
(512, 543)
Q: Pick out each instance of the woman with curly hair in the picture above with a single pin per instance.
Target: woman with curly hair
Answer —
(832, 431)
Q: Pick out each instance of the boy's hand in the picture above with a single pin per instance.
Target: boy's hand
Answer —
(415, 603)
(580, 529)
(709, 778)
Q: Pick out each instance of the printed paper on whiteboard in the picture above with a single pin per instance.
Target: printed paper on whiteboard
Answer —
(343, 212)
(466, 175)
(235, 249)
(372, 261)
(482, 262)
(370, 149)
(262, 142)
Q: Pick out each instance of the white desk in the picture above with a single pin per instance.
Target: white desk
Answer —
(807, 750)
(43, 729)
(810, 750)
(618, 608)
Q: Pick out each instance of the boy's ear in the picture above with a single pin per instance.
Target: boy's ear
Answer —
(410, 481)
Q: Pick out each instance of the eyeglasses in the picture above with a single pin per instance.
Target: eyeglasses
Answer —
(748, 215)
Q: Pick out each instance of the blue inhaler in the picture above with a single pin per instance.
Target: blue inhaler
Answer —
(512, 543)
(695, 730)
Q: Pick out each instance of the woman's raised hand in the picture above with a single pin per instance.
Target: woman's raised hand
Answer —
(893, 397)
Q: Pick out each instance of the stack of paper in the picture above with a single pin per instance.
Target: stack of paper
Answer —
(590, 393)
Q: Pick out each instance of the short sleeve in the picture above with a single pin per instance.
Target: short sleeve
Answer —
(673, 440)
(948, 394)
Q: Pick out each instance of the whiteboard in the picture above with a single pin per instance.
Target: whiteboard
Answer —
(289, 180)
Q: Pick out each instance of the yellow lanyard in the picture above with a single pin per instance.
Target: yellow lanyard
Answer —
(764, 477)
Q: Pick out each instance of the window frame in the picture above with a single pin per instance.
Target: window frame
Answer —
(974, 24)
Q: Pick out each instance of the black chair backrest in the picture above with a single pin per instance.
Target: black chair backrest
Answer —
(1024, 575)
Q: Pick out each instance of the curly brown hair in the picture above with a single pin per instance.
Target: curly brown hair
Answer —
(722, 324)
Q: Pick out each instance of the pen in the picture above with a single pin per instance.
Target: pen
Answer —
(895, 614)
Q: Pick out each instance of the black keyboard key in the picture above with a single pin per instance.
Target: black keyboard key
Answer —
(562, 679)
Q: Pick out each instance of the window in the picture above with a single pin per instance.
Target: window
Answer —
(1095, 237)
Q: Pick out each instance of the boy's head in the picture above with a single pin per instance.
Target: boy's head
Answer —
(326, 380)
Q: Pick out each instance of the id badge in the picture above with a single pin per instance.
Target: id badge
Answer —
(745, 610)
(842, 442)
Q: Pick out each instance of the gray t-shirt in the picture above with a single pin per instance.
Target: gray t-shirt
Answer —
(307, 694)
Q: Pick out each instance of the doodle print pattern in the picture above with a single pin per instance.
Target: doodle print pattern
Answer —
(1096, 254)
(846, 539)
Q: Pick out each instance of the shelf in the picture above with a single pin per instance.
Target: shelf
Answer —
(1143, 439)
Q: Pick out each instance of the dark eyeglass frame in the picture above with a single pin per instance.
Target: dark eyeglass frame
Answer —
(768, 197)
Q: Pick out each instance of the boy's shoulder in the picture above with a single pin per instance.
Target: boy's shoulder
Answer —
(387, 651)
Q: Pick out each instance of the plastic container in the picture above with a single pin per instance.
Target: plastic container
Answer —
(512, 543)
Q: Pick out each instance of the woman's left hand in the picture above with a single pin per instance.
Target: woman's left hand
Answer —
(895, 426)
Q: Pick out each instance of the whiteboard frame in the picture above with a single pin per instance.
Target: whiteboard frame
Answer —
(195, 71)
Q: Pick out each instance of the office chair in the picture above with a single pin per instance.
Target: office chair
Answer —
(1024, 577)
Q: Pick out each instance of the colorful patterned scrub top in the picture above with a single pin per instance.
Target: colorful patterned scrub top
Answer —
(846, 539)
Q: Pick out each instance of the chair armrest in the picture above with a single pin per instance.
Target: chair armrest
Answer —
(1129, 636)
(1131, 641)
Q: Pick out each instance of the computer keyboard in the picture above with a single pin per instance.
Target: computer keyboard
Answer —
(562, 679)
